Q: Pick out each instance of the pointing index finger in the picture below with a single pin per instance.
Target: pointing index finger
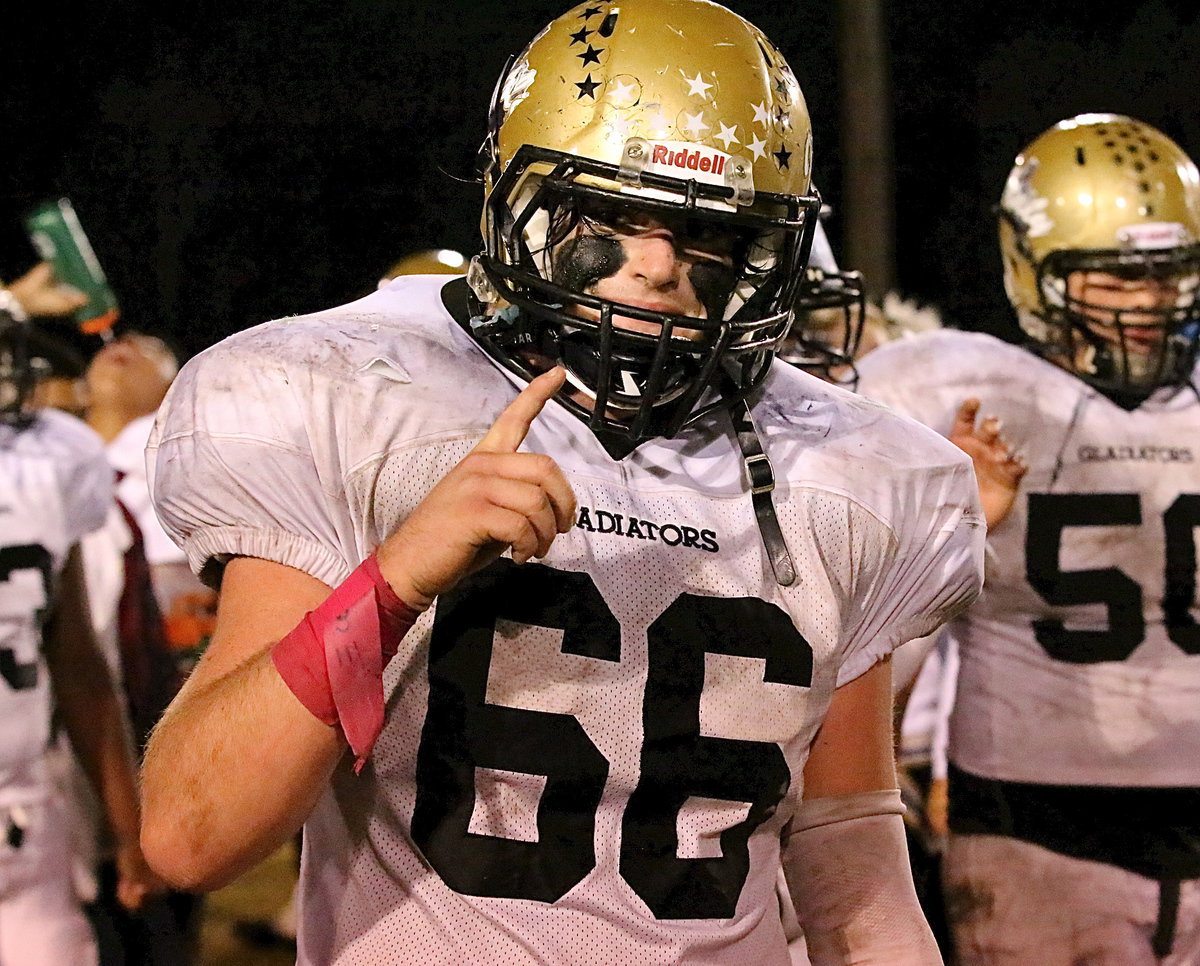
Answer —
(964, 419)
(512, 425)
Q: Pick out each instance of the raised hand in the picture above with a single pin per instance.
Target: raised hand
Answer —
(495, 498)
(41, 294)
(998, 468)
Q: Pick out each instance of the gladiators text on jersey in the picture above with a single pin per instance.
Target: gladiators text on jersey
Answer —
(1136, 454)
(673, 535)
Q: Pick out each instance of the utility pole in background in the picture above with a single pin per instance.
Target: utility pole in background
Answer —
(868, 205)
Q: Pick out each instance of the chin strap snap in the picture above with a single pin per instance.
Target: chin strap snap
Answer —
(762, 481)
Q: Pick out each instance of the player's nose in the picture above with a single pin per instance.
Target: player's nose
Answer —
(653, 258)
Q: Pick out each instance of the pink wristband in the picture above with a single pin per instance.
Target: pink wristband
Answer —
(333, 660)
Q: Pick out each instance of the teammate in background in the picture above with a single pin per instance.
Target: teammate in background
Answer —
(832, 323)
(125, 383)
(57, 373)
(57, 487)
(148, 600)
(1075, 736)
(606, 754)
(835, 324)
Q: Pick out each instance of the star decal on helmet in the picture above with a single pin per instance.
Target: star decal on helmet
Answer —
(759, 147)
(589, 13)
(697, 86)
(783, 117)
(781, 86)
(581, 36)
(694, 123)
(727, 134)
(782, 157)
(657, 123)
(621, 127)
(622, 94)
(587, 88)
(590, 56)
(762, 115)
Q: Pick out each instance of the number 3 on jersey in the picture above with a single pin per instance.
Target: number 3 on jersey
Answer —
(22, 675)
(1049, 515)
(463, 732)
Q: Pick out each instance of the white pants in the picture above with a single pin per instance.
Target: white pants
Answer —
(41, 922)
(1015, 904)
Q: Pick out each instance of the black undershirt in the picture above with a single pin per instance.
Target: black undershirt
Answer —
(1154, 832)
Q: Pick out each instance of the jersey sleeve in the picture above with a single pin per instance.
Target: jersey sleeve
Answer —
(84, 474)
(929, 572)
(242, 462)
(889, 375)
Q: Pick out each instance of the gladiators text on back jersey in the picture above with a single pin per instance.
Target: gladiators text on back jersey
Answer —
(589, 758)
(1081, 660)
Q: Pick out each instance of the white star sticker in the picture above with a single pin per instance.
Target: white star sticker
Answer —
(622, 94)
(621, 126)
(728, 134)
(762, 115)
(759, 147)
(694, 123)
(698, 87)
(656, 122)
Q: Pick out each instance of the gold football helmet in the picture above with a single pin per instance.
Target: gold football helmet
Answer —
(677, 110)
(1100, 238)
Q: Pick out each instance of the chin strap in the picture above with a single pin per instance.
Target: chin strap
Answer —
(762, 482)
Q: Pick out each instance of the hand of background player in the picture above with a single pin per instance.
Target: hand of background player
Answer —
(494, 499)
(41, 294)
(937, 807)
(136, 881)
(998, 469)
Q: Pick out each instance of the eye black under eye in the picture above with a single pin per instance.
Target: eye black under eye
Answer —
(714, 283)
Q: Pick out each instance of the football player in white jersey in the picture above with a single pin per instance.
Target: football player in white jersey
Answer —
(1075, 736)
(613, 594)
(55, 486)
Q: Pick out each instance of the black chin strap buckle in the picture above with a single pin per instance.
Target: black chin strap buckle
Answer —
(762, 481)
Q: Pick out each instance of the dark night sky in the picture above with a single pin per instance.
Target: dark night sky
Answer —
(237, 162)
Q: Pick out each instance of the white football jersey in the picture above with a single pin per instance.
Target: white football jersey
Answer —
(1081, 660)
(55, 486)
(127, 455)
(590, 758)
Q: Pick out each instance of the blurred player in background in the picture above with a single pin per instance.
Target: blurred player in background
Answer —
(154, 608)
(1075, 736)
(56, 487)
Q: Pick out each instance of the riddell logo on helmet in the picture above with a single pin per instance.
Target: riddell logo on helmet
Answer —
(684, 159)
(694, 160)
(1153, 234)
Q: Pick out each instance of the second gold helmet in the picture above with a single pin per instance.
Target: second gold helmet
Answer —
(1105, 195)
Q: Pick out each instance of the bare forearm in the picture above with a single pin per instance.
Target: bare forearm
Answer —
(231, 772)
(99, 733)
